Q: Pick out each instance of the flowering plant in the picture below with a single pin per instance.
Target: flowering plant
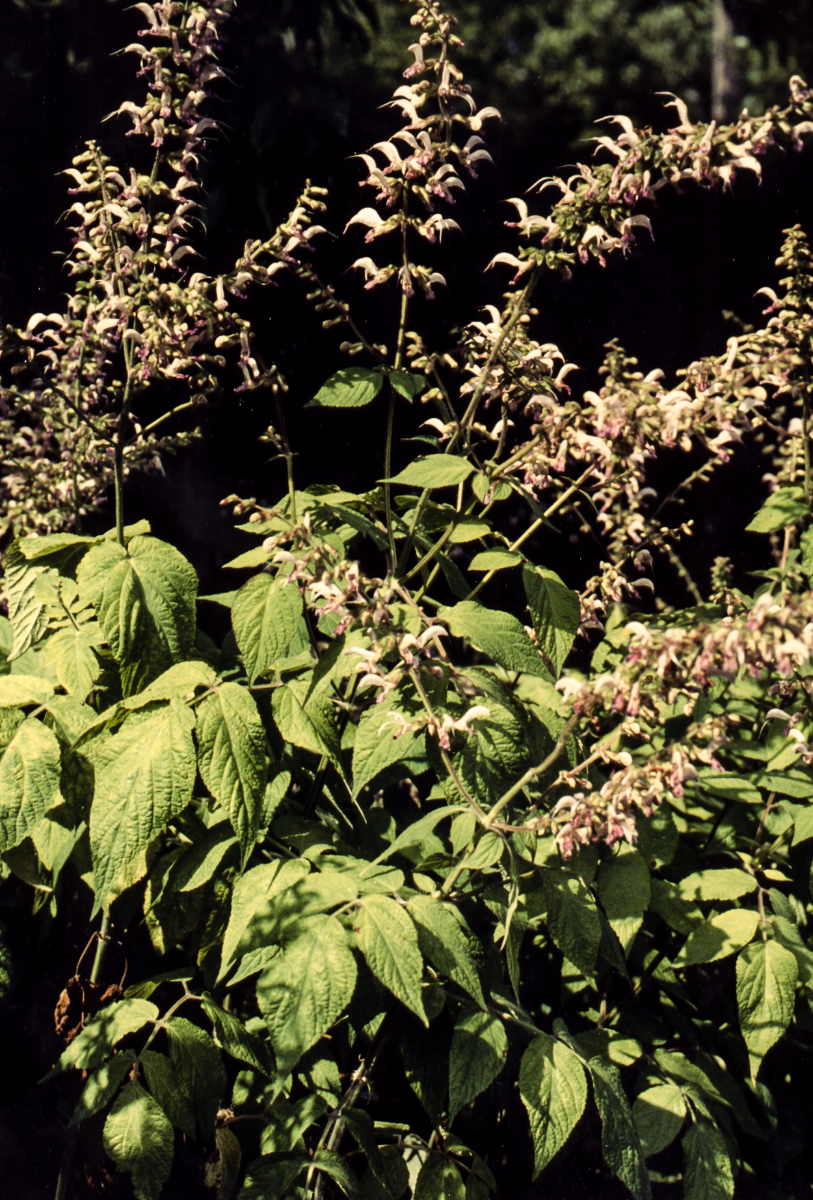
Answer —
(386, 837)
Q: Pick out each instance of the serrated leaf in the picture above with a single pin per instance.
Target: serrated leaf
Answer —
(29, 781)
(495, 560)
(554, 1091)
(434, 471)
(725, 884)
(497, 634)
(718, 937)
(307, 721)
(21, 690)
(238, 1041)
(766, 993)
(253, 890)
(266, 616)
(620, 1142)
(271, 1175)
(438, 1179)
(352, 387)
(26, 610)
(407, 384)
(102, 1086)
(555, 613)
(144, 597)
(231, 758)
(572, 919)
(444, 943)
(782, 508)
(659, 1113)
(489, 760)
(623, 889)
(336, 1167)
(73, 653)
(162, 1080)
(305, 990)
(95, 1042)
(478, 1054)
(139, 1139)
(380, 742)
(707, 1174)
(144, 777)
(178, 681)
(796, 783)
(362, 1129)
(415, 833)
(199, 1069)
(679, 914)
(199, 862)
(388, 940)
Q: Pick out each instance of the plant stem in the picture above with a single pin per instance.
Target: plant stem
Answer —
(101, 947)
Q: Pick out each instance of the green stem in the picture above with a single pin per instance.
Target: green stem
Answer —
(101, 948)
(387, 476)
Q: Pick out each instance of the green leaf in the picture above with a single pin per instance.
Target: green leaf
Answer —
(388, 940)
(443, 941)
(26, 611)
(659, 1113)
(718, 937)
(102, 1086)
(45, 544)
(271, 1176)
(144, 597)
(266, 616)
(681, 915)
(434, 471)
(362, 1129)
(139, 1139)
(199, 862)
(306, 988)
(380, 742)
(781, 509)
(489, 762)
(494, 560)
(162, 1081)
(238, 1041)
(707, 1174)
(179, 681)
(144, 777)
(725, 884)
(766, 991)
(787, 783)
(554, 1091)
(497, 634)
(335, 1166)
(438, 1179)
(416, 833)
(623, 889)
(406, 384)
(21, 690)
(29, 781)
(96, 1041)
(308, 721)
(352, 387)
(253, 890)
(199, 1069)
(231, 758)
(620, 1141)
(73, 653)
(555, 613)
(478, 1054)
(572, 919)
(802, 824)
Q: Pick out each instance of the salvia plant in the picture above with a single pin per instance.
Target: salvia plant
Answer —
(389, 840)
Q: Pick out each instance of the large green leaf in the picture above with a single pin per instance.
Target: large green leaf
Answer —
(266, 616)
(623, 889)
(251, 892)
(659, 1113)
(29, 781)
(231, 758)
(479, 1050)
(707, 1174)
(306, 988)
(434, 471)
(73, 652)
(490, 758)
(103, 1085)
(782, 508)
(439, 1179)
(725, 884)
(199, 1070)
(236, 1040)
(718, 937)
(620, 1140)
(308, 721)
(22, 690)
(554, 1091)
(26, 609)
(555, 612)
(95, 1042)
(572, 919)
(139, 1139)
(162, 1080)
(144, 776)
(380, 741)
(336, 1168)
(443, 941)
(766, 991)
(497, 634)
(352, 387)
(388, 940)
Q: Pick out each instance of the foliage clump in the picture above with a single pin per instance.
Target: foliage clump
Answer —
(384, 818)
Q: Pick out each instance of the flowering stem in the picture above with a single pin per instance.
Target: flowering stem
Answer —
(533, 772)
